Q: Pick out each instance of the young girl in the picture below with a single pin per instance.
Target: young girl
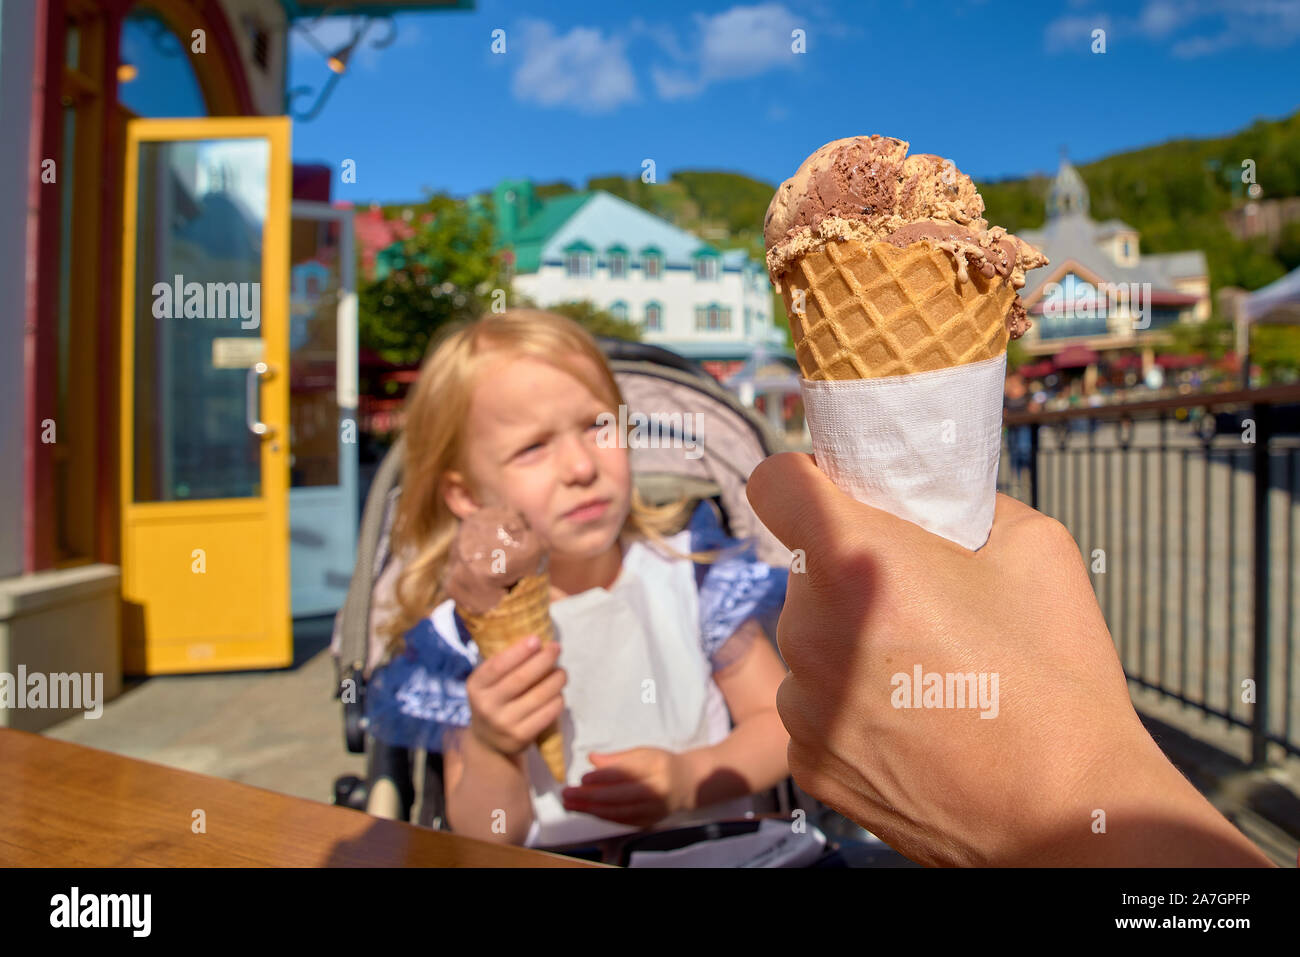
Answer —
(656, 656)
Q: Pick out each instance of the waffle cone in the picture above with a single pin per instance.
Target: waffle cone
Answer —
(526, 610)
(874, 309)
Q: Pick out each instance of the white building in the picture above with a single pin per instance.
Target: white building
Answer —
(688, 296)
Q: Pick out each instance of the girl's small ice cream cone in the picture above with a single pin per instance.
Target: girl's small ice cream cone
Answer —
(497, 575)
(524, 611)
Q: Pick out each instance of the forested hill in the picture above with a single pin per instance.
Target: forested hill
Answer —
(1175, 193)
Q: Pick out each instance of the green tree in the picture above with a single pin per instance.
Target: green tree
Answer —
(1016, 355)
(446, 271)
(1276, 350)
(1212, 338)
(1288, 246)
(595, 320)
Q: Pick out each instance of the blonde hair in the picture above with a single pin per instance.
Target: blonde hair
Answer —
(434, 429)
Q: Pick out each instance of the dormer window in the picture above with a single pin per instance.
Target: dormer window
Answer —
(652, 262)
(617, 258)
(706, 264)
(577, 260)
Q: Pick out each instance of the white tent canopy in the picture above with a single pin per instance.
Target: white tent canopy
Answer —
(1278, 302)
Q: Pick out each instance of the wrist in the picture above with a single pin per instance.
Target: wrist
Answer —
(689, 772)
(491, 752)
(1155, 817)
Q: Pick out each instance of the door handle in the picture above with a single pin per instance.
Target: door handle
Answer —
(252, 408)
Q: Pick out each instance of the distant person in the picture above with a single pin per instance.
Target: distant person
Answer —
(1019, 437)
(1063, 775)
(508, 411)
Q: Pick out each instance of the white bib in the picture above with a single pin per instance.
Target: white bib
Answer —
(637, 677)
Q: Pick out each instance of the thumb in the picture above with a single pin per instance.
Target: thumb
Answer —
(803, 508)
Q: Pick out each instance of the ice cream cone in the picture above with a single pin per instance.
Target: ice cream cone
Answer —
(524, 611)
(874, 309)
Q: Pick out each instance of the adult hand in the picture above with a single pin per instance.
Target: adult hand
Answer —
(1053, 767)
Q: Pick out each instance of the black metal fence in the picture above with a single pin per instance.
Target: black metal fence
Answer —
(1185, 511)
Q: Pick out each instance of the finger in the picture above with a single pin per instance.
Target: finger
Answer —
(629, 792)
(495, 668)
(532, 707)
(606, 776)
(524, 674)
(805, 509)
(533, 723)
(636, 815)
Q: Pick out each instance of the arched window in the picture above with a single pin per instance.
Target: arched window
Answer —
(654, 321)
(617, 258)
(652, 263)
(619, 310)
(155, 74)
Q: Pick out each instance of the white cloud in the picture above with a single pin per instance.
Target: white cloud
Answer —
(1190, 28)
(582, 69)
(675, 84)
(746, 41)
(1160, 18)
(737, 43)
(587, 70)
(1074, 33)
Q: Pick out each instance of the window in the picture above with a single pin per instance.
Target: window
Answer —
(653, 317)
(1127, 254)
(619, 310)
(706, 267)
(160, 79)
(617, 262)
(577, 264)
(712, 318)
(653, 265)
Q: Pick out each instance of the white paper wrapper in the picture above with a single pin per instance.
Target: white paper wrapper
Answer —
(924, 447)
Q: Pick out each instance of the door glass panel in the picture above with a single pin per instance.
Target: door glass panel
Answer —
(201, 210)
(315, 283)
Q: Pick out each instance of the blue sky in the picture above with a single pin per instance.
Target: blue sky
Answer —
(592, 88)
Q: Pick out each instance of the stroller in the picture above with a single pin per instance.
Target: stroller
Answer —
(652, 380)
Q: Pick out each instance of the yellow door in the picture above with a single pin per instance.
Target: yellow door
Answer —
(204, 478)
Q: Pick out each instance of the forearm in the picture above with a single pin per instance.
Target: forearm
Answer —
(1154, 817)
(491, 802)
(750, 759)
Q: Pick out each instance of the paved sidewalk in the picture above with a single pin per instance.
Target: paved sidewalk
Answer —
(280, 730)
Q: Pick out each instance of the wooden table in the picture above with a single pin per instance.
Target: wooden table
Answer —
(64, 805)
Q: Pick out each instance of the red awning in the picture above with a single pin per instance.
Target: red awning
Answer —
(1161, 298)
(1074, 357)
(1126, 361)
(1035, 370)
(1180, 362)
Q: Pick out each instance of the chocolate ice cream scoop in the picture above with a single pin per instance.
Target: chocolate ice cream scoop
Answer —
(494, 548)
(867, 188)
